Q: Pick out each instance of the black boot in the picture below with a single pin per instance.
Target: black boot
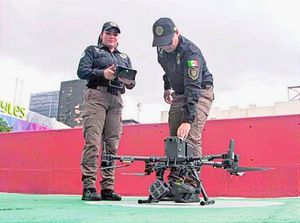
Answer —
(90, 194)
(110, 195)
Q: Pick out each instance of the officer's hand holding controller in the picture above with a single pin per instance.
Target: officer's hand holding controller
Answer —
(126, 81)
(109, 72)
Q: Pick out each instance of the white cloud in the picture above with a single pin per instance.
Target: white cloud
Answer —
(262, 89)
(19, 80)
(251, 47)
(145, 113)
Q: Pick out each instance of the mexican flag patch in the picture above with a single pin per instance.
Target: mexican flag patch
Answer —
(192, 63)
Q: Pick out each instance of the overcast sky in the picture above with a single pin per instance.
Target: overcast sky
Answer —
(252, 47)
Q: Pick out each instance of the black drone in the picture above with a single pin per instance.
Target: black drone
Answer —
(178, 158)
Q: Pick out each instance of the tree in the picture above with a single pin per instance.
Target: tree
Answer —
(4, 127)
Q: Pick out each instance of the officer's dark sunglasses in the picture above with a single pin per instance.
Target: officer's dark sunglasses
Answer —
(111, 33)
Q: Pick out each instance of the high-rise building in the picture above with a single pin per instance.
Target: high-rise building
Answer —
(45, 103)
(70, 102)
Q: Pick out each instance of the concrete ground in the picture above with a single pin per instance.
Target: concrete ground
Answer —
(25, 208)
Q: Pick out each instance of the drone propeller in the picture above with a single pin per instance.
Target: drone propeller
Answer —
(231, 162)
(114, 167)
(244, 169)
(238, 170)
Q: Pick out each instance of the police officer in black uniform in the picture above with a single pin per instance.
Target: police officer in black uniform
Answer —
(188, 84)
(102, 110)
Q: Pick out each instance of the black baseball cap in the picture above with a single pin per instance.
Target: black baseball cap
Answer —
(109, 25)
(163, 31)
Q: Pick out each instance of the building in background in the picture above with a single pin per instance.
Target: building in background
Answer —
(21, 125)
(45, 103)
(70, 102)
(49, 123)
(279, 108)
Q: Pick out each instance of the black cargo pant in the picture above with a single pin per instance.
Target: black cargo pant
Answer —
(102, 122)
(176, 117)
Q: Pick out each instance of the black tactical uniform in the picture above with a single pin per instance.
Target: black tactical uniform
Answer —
(102, 114)
(93, 63)
(187, 74)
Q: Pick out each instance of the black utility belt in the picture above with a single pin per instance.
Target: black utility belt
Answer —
(107, 86)
(112, 90)
(203, 86)
(97, 87)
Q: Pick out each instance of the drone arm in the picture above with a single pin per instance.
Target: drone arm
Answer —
(131, 159)
(212, 157)
(213, 164)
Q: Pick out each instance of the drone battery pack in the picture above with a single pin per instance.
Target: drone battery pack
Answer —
(175, 148)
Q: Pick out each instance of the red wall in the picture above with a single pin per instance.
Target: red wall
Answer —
(48, 161)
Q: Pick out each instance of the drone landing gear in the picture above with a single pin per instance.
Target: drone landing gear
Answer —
(206, 201)
(182, 193)
(148, 201)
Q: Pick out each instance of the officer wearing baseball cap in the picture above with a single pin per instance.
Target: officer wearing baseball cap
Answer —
(111, 25)
(163, 31)
(102, 111)
(188, 86)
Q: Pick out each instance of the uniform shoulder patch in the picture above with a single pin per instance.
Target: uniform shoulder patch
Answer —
(123, 55)
(193, 72)
(96, 49)
(192, 63)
